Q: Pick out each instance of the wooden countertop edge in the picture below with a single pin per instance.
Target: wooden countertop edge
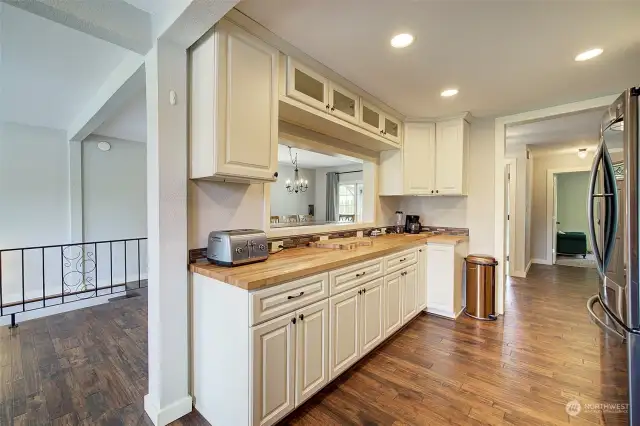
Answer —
(227, 274)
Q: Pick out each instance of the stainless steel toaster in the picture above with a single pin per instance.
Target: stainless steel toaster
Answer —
(237, 247)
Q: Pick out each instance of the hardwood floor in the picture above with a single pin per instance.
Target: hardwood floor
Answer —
(90, 367)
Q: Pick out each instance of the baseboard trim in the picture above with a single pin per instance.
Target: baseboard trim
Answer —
(526, 271)
(170, 413)
(519, 274)
(541, 261)
(443, 313)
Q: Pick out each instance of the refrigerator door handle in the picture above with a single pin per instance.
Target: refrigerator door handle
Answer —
(611, 209)
(592, 301)
(590, 198)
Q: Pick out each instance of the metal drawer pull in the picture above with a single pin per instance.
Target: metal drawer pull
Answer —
(403, 259)
(293, 297)
(361, 275)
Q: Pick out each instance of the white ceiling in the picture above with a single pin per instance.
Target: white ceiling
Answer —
(130, 123)
(312, 160)
(48, 71)
(566, 131)
(504, 56)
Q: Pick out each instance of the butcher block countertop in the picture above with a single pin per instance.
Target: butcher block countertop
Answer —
(292, 264)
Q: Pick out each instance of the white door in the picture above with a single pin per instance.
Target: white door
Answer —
(421, 292)
(393, 303)
(391, 128)
(273, 361)
(343, 322)
(305, 85)
(409, 292)
(449, 155)
(418, 158)
(312, 350)
(343, 103)
(555, 223)
(371, 309)
(370, 118)
(247, 93)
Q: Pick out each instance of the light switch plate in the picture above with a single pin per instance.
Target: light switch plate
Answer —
(324, 237)
(275, 246)
(359, 234)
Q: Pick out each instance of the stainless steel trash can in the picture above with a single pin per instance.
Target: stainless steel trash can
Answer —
(481, 286)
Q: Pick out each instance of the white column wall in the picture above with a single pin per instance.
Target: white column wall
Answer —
(166, 70)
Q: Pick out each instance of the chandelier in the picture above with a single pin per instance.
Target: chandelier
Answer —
(298, 184)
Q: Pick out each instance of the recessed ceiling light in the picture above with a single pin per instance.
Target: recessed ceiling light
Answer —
(449, 92)
(589, 54)
(401, 40)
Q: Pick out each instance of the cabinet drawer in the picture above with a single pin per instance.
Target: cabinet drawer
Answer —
(354, 275)
(397, 261)
(284, 298)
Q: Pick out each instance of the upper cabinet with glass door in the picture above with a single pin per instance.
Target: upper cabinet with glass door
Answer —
(362, 121)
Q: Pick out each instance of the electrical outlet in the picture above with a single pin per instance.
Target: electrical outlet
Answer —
(275, 246)
(324, 237)
(359, 234)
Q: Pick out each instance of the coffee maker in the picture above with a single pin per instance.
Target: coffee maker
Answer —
(412, 219)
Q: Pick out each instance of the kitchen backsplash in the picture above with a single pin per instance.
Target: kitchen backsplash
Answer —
(303, 240)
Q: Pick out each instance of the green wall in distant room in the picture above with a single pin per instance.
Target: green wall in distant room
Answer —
(572, 203)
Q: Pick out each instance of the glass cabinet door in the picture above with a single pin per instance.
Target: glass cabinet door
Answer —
(391, 129)
(370, 118)
(306, 86)
(343, 103)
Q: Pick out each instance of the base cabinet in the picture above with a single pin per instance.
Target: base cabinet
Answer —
(445, 278)
(312, 350)
(421, 293)
(393, 305)
(273, 361)
(344, 319)
(409, 289)
(371, 315)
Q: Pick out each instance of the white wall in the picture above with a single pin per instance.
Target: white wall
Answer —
(527, 219)
(321, 185)
(520, 214)
(285, 203)
(476, 211)
(572, 195)
(539, 219)
(34, 186)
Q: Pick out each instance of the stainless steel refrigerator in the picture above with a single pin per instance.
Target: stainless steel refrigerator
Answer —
(612, 207)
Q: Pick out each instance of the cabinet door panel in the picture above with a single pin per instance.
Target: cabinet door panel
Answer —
(343, 103)
(421, 293)
(449, 157)
(273, 355)
(312, 350)
(419, 146)
(440, 276)
(391, 128)
(248, 93)
(393, 303)
(344, 323)
(370, 118)
(306, 85)
(409, 292)
(372, 309)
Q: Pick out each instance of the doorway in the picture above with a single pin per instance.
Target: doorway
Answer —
(510, 199)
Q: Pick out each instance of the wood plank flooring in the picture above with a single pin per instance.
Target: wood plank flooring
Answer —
(89, 366)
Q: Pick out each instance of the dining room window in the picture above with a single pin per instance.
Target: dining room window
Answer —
(350, 201)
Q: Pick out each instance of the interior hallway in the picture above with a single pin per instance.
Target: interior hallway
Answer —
(90, 366)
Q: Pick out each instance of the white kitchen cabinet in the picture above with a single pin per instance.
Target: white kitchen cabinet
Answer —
(371, 315)
(421, 293)
(451, 157)
(445, 277)
(393, 302)
(408, 290)
(374, 120)
(343, 103)
(344, 322)
(312, 350)
(306, 85)
(233, 107)
(273, 370)
(418, 158)
(433, 160)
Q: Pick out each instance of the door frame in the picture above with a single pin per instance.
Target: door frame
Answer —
(551, 174)
(511, 167)
(500, 126)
